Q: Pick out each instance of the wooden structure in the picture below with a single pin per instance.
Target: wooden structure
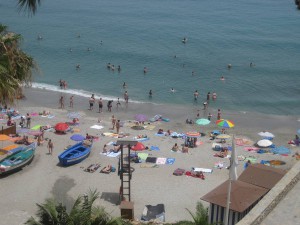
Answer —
(125, 174)
(252, 185)
(8, 130)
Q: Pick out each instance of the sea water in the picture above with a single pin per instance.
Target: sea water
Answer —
(141, 33)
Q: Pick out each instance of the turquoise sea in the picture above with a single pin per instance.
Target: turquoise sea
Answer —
(143, 33)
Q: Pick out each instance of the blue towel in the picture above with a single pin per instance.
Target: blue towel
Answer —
(154, 148)
(160, 135)
(170, 161)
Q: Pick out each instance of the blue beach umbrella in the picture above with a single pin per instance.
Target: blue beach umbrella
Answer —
(77, 137)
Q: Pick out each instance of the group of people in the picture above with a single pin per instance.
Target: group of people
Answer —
(184, 149)
(62, 84)
(115, 124)
(112, 67)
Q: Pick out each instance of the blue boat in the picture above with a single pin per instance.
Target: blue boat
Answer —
(75, 153)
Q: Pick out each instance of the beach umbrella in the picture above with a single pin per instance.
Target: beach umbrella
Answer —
(266, 134)
(138, 147)
(264, 143)
(202, 121)
(61, 127)
(225, 123)
(74, 115)
(77, 137)
(193, 134)
(140, 117)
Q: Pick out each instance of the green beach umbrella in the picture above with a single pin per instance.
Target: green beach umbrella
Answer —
(202, 121)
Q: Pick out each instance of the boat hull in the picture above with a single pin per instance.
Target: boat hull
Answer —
(17, 160)
(74, 154)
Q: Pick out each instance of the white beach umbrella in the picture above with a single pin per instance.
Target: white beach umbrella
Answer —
(264, 143)
(266, 134)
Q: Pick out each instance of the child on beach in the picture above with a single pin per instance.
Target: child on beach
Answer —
(50, 146)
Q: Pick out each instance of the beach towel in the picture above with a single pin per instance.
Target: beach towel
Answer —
(251, 149)
(204, 170)
(178, 172)
(149, 127)
(50, 116)
(112, 154)
(160, 135)
(151, 159)
(36, 127)
(143, 156)
(149, 165)
(191, 174)
(170, 161)
(92, 168)
(98, 127)
(219, 165)
(281, 150)
(252, 159)
(154, 148)
(141, 139)
(34, 114)
(161, 161)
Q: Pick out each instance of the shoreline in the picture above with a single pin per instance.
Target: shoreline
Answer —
(44, 178)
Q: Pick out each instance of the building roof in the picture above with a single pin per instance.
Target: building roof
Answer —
(243, 195)
(261, 175)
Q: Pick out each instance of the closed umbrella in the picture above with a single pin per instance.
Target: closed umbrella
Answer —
(264, 143)
(266, 134)
(202, 121)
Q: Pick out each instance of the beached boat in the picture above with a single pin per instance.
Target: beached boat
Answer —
(17, 159)
(75, 153)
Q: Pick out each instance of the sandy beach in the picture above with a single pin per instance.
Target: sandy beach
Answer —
(45, 178)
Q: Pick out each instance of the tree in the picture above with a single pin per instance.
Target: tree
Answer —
(82, 213)
(15, 66)
(29, 6)
(201, 215)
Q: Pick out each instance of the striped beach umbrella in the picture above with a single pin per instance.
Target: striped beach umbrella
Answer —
(225, 123)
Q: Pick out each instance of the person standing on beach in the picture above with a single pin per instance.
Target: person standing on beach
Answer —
(61, 102)
(28, 121)
(219, 114)
(100, 105)
(71, 101)
(113, 121)
(126, 97)
(109, 105)
(118, 126)
(150, 94)
(118, 103)
(50, 147)
(92, 101)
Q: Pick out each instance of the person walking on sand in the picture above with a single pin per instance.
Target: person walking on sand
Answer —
(50, 147)
(61, 102)
(71, 101)
(100, 105)
(113, 121)
(126, 97)
(118, 126)
(92, 101)
(118, 103)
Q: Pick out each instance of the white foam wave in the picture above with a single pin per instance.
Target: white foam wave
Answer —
(77, 92)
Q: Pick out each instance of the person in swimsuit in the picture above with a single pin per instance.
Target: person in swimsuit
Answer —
(100, 105)
(91, 101)
(71, 101)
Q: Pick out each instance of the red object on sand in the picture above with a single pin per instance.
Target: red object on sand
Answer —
(138, 147)
(61, 127)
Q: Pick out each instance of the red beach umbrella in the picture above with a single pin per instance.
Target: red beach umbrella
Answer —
(138, 147)
(61, 127)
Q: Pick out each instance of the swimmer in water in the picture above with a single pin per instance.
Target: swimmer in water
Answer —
(124, 85)
(222, 78)
(172, 90)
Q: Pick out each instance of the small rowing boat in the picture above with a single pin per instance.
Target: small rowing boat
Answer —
(17, 159)
(75, 153)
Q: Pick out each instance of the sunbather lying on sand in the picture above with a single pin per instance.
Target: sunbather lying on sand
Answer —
(106, 169)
